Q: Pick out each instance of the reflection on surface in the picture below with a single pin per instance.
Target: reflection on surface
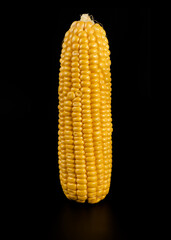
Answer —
(77, 221)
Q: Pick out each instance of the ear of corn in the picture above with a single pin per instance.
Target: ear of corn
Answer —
(85, 123)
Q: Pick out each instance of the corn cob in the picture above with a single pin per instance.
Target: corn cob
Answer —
(85, 122)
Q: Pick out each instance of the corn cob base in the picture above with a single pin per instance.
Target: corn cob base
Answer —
(85, 122)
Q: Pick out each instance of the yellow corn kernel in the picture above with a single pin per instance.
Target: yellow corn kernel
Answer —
(85, 120)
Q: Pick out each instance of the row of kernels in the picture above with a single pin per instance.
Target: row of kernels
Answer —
(95, 99)
(106, 149)
(75, 78)
(60, 117)
(69, 148)
(65, 75)
(87, 132)
(63, 172)
(104, 59)
(80, 166)
(61, 152)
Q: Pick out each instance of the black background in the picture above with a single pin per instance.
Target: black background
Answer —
(29, 117)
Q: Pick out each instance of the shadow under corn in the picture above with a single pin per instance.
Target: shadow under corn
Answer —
(85, 221)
